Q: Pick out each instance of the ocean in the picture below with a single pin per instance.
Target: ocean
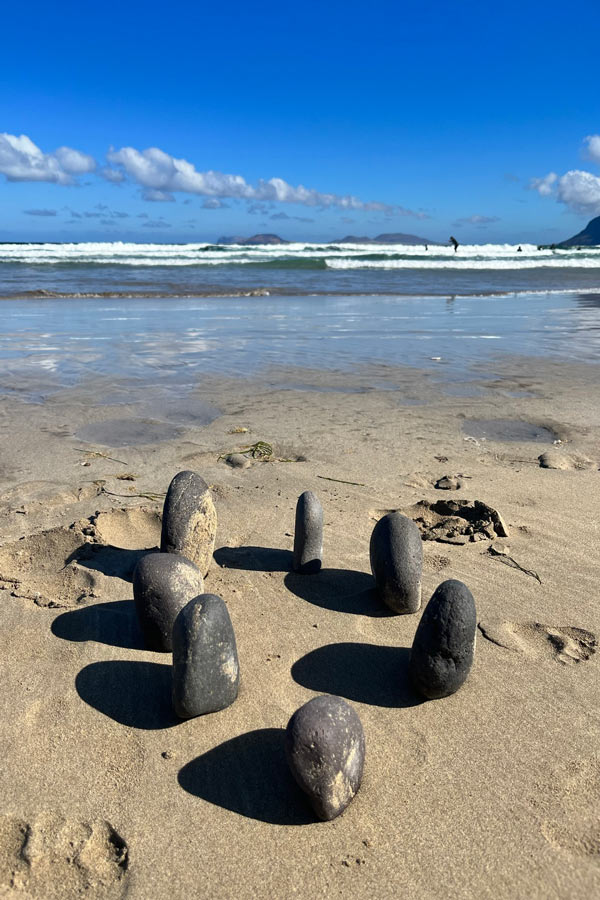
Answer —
(165, 315)
(200, 270)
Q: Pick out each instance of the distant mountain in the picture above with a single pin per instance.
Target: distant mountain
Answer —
(589, 237)
(255, 239)
(394, 238)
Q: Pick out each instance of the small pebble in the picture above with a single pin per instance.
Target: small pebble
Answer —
(206, 672)
(325, 750)
(444, 643)
(449, 483)
(308, 534)
(189, 523)
(397, 562)
(162, 585)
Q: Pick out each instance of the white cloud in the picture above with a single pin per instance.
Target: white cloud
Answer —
(115, 176)
(580, 191)
(156, 196)
(212, 203)
(157, 171)
(544, 186)
(480, 221)
(22, 160)
(576, 189)
(593, 147)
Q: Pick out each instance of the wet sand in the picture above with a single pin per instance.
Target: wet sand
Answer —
(492, 792)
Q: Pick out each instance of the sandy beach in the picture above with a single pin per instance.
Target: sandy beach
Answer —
(492, 792)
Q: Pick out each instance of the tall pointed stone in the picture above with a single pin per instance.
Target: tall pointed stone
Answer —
(397, 562)
(189, 523)
(308, 534)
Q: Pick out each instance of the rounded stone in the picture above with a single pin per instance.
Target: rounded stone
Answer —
(308, 534)
(397, 562)
(449, 483)
(162, 585)
(206, 672)
(325, 750)
(444, 644)
(189, 524)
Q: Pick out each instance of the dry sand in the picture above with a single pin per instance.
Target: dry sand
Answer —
(492, 792)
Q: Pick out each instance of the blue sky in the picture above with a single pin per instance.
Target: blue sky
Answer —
(311, 120)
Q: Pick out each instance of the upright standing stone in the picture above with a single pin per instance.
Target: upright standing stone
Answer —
(397, 562)
(308, 534)
(162, 585)
(325, 749)
(442, 651)
(206, 672)
(189, 523)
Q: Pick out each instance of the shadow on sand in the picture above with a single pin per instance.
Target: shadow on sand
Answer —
(113, 561)
(137, 694)
(249, 775)
(114, 623)
(340, 590)
(366, 673)
(254, 559)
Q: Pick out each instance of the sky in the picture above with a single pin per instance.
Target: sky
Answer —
(188, 121)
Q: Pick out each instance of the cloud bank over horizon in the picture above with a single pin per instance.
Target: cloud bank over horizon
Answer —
(160, 175)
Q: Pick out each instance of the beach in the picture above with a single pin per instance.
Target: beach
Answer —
(492, 791)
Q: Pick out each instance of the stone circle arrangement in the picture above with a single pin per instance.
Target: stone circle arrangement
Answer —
(325, 741)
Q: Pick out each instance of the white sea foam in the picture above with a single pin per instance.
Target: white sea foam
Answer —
(347, 256)
(579, 262)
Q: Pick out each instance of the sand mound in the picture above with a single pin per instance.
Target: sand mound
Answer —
(69, 566)
(42, 567)
(136, 528)
(456, 521)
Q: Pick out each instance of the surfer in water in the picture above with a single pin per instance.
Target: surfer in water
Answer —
(454, 243)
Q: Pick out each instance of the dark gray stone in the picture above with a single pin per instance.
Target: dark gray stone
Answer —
(444, 644)
(308, 534)
(162, 585)
(206, 672)
(325, 749)
(189, 523)
(397, 562)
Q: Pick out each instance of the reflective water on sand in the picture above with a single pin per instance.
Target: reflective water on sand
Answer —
(48, 344)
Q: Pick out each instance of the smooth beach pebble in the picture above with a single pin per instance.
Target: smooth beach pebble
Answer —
(449, 483)
(325, 750)
(397, 562)
(162, 585)
(206, 672)
(308, 534)
(189, 523)
(444, 644)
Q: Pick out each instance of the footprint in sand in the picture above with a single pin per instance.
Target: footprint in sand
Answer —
(56, 858)
(566, 645)
(570, 809)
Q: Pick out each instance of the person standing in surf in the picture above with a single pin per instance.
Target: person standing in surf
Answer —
(454, 243)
